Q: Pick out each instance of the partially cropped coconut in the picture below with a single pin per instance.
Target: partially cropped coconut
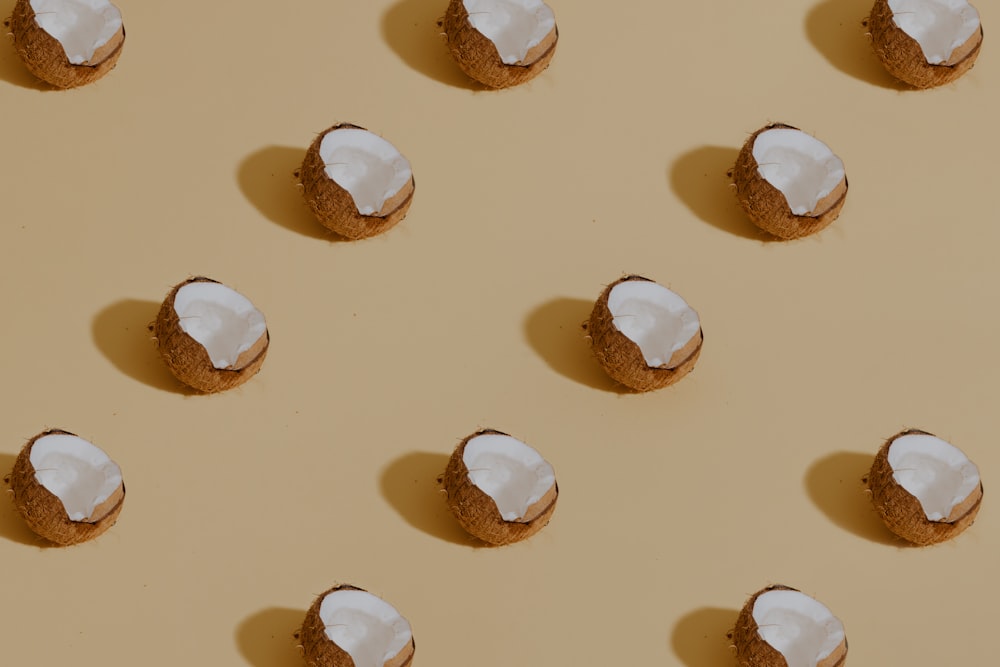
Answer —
(501, 43)
(67, 489)
(356, 183)
(644, 335)
(781, 627)
(926, 43)
(68, 43)
(925, 489)
(789, 183)
(349, 627)
(500, 489)
(210, 336)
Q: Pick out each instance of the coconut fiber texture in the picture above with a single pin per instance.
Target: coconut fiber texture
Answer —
(622, 359)
(902, 57)
(188, 359)
(766, 205)
(44, 56)
(320, 651)
(901, 511)
(44, 512)
(334, 207)
(477, 512)
(753, 651)
(478, 57)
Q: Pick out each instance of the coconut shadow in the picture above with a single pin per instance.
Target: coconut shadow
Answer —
(412, 29)
(410, 484)
(12, 526)
(554, 330)
(268, 637)
(837, 28)
(835, 485)
(702, 638)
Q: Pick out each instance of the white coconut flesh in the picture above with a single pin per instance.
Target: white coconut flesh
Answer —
(220, 318)
(368, 628)
(801, 167)
(936, 472)
(510, 472)
(938, 26)
(802, 629)
(514, 26)
(77, 472)
(80, 26)
(366, 165)
(656, 319)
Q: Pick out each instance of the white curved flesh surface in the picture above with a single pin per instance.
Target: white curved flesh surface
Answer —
(938, 26)
(801, 167)
(656, 319)
(799, 627)
(368, 628)
(77, 472)
(366, 165)
(81, 26)
(510, 472)
(220, 318)
(936, 472)
(514, 26)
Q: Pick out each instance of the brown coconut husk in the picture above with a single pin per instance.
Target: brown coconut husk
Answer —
(901, 511)
(902, 57)
(622, 359)
(44, 56)
(44, 512)
(320, 651)
(334, 207)
(188, 359)
(477, 512)
(753, 651)
(766, 205)
(477, 56)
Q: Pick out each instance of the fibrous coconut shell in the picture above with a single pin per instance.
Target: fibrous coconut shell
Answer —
(767, 207)
(477, 512)
(44, 512)
(188, 359)
(622, 358)
(478, 57)
(334, 206)
(902, 512)
(45, 57)
(904, 59)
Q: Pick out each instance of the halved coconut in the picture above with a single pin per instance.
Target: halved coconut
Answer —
(926, 43)
(210, 336)
(644, 335)
(67, 489)
(781, 627)
(501, 43)
(356, 183)
(349, 627)
(789, 183)
(925, 489)
(500, 489)
(68, 43)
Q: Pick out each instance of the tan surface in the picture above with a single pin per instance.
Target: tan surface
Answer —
(674, 506)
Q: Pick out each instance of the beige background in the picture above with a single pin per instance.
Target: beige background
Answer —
(675, 506)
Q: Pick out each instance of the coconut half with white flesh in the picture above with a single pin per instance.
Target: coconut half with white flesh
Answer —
(924, 488)
(356, 183)
(68, 43)
(67, 489)
(500, 489)
(926, 43)
(782, 627)
(644, 335)
(211, 337)
(789, 183)
(349, 627)
(501, 43)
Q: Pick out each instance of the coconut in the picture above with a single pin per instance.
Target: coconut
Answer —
(210, 336)
(925, 489)
(68, 43)
(926, 43)
(500, 489)
(644, 335)
(501, 43)
(67, 489)
(356, 183)
(789, 183)
(349, 627)
(782, 627)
